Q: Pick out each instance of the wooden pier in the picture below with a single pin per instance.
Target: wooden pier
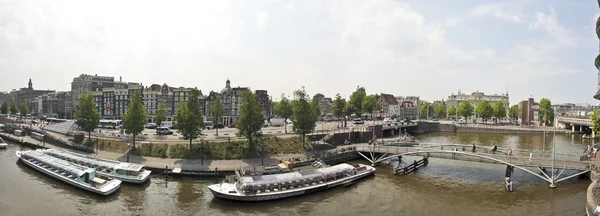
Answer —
(410, 168)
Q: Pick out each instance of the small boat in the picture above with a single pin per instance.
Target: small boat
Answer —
(127, 172)
(291, 184)
(2, 143)
(78, 176)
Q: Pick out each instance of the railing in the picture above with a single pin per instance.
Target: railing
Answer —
(574, 120)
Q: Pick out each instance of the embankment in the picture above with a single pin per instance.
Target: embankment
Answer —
(426, 127)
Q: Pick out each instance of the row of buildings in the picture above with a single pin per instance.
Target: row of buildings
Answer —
(112, 97)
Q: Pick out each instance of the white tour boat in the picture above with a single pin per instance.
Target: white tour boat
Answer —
(73, 174)
(127, 172)
(2, 143)
(284, 185)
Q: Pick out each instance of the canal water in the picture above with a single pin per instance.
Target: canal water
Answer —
(444, 187)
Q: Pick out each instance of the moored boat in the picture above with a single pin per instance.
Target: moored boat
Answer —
(127, 172)
(285, 185)
(78, 176)
(2, 143)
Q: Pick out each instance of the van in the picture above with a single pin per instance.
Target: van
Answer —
(163, 131)
(208, 125)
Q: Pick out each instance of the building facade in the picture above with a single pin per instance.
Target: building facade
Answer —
(265, 102)
(476, 97)
(387, 100)
(404, 110)
(84, 84)
(27, 94)
(529, 112)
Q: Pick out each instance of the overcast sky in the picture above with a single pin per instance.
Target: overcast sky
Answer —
(428, 48)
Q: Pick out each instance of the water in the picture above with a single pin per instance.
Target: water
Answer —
(444, 187)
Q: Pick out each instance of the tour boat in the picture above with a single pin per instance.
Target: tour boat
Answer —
(73, 174)
(2, 143)
(284, 185)
(127, 172)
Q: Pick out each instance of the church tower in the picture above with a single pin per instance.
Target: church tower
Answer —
(30, 85)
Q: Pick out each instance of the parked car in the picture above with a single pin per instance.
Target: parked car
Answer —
(163, 131)
(358, 121)
(231, 126)
(219, 126)
(151, 126)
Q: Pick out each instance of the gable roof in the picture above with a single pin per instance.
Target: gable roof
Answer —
(388, 99)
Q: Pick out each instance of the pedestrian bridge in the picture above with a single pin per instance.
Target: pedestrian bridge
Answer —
(575, 121)
(519, 159)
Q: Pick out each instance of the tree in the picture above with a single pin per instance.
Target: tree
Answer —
(546, 113)
(484, 110)
(452, 111)
(465, 109)
(348, 110)
(14, 109)
(190, 121)
(305, 119)
(4, 108)
(24, 108)
(356, 100)
(338, 107)
(87, 115)
(135, 116)
(513, 112)
(499, 111)
(283, 109)
(424, 109)
(216, 112)
(161, 114)
(314, 105)
(370, 105)
(440, 110)
(595, 124)
(251, 119)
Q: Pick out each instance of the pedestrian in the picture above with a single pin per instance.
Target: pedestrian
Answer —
(474, 148)
(530, 155)
(509, 152)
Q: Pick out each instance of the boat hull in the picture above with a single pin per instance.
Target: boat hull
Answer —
(116, 185)
(288, 193)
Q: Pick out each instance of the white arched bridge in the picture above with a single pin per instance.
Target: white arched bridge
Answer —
(519, 159)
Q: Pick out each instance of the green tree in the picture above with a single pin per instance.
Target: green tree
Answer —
(513, 112)
(216, 112)
(595, 124)
(305, 119)
(135, 116)
(348, 110)
(14, 109)
(499, 111)
(546, 112)
(338, 107)
(24, 108)
(87, 115)
(484, 110)
(161, 114)
(4, 108)
(190, 121)
(283, 109)
(452, 111)
(440, 111)
(465, 109)
(356, 100)
(370, 104)
(314, 105)
(424, 109)
(251, 119)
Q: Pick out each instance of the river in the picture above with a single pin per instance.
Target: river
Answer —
(444, 187)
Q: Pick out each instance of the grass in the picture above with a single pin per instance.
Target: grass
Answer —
(151, 150)
(235, 149)
(110, 145)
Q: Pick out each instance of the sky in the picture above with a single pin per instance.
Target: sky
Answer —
(426, 48)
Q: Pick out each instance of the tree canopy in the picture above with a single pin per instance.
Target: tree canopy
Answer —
(356, 100)
(370, 104)
(484, 110)
(135, 116)
(499, 110)
(546, 112)
(440, 110)
(304, 117)
(190, 121)
(24, 108)
(283, 109)
(452, 111)
(314, 105)
(424, 109)
(14, 109)
(338, 106)
(513, 112)
(465, 109)
(216, 112)
(4, 108)
(87, 115)
(251, 119)
(595, 124)
(161, 114)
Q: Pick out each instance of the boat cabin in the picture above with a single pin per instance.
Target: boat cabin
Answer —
(80, 174)
(129, 169)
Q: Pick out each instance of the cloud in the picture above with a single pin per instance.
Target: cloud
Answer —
(261, 20)
(498, 10)
(548, 22)
(452, 21)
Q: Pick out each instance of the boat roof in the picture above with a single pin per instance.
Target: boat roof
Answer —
(129, 166)
(80, 158)
(294, 176)
(58, 163)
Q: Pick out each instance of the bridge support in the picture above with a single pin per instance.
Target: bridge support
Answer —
(508, 184)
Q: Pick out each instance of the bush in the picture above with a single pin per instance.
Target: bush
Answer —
(151, 150)
(109, 145)
(236, 149)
